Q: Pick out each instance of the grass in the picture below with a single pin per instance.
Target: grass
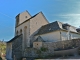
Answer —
(2, 48)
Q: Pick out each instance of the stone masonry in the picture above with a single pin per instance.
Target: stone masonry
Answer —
(49, 46)
(17, 48)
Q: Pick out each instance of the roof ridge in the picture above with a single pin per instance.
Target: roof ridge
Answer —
(14, 38)
(39, 38)
(59, 24)
(49, 28)
(50, 23)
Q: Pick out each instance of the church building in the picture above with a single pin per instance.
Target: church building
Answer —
(31, 30)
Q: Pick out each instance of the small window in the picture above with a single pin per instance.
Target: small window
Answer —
(17, 33)
(20, 31)
(25, 16)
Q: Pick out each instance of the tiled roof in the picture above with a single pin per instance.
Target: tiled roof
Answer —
(14, 38)
(49, 28)
(39, 39)
(53, 27)
(78, 29)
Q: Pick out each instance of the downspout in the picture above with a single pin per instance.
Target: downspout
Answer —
(60, 36)
(68, 27)
(29, 35)
(61, 40)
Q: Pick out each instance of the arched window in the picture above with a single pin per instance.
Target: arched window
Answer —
(20, 31)
(25, 32)
(25, 35)
(17, 33)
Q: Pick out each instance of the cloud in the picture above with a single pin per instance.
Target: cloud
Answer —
(64, 15)
(72, 19)
(71, 15)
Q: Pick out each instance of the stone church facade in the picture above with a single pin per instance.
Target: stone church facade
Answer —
(32, 31)
(26, 26)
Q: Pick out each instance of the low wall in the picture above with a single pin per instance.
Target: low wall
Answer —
(61, 47)
(67, 44)
(73, 51)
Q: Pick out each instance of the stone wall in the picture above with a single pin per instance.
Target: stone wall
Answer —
(62, 44)
(47, 49)
(36, 53)
(17, 48)
(51, 47)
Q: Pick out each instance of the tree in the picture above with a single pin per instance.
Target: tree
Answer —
(0, 58)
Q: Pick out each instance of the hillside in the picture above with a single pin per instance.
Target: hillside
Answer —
(2, 48)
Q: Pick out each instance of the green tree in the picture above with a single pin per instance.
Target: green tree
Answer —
(0, 58)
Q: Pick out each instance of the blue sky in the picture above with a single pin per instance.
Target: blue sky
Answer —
(67, 11)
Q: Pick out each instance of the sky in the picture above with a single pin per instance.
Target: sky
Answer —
(66, 11)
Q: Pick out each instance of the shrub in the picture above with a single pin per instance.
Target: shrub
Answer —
(39, 51)
(43, 49)
(0, 58)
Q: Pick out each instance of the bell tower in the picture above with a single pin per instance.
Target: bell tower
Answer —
(22, 17)
(17, 20)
